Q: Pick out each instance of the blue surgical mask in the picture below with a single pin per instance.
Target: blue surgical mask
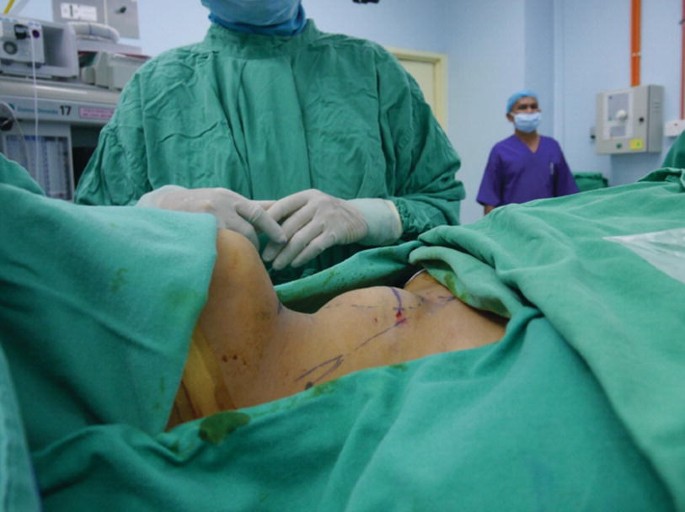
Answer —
(254, 13)
(527, 123)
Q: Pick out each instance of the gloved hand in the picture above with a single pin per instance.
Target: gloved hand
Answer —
(232, 211)
(315, 221)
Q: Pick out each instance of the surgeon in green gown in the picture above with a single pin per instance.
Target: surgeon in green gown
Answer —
(328, 132)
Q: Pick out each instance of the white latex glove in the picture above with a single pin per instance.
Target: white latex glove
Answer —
(231, 210)
(315, 221)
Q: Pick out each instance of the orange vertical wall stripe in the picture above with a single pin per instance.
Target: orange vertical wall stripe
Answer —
(682, 62)
(635, 41)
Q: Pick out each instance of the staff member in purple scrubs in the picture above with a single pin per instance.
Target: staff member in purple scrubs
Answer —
(527, 165)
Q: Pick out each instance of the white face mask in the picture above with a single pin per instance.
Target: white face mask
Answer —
(253, 12)
(527, 123)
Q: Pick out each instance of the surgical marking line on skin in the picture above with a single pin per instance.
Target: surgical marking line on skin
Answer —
(336, 361)
(355, 306)
(381, 333)
(399, 319)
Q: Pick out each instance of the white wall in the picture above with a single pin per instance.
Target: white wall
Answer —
(389, 22)
(483, 71)
(567, 50)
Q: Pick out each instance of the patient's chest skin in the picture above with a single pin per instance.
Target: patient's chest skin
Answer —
(387, 325)
(266, 351)
(372, 327)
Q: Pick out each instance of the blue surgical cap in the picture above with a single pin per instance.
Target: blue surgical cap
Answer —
(524, 93)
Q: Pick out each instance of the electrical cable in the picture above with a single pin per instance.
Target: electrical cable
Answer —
(7, 123)
(7, 117)
(35, 103)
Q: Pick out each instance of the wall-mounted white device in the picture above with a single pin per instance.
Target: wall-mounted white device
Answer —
(630, 120)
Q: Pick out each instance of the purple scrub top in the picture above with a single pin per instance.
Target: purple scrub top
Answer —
(514, 174)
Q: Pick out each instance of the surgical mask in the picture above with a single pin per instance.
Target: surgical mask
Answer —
(257, 13)
(527, 123)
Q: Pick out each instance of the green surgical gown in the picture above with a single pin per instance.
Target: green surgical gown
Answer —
(267, 116)
(578, 407)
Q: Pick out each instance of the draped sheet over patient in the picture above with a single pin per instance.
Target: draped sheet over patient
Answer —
(579, 406)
